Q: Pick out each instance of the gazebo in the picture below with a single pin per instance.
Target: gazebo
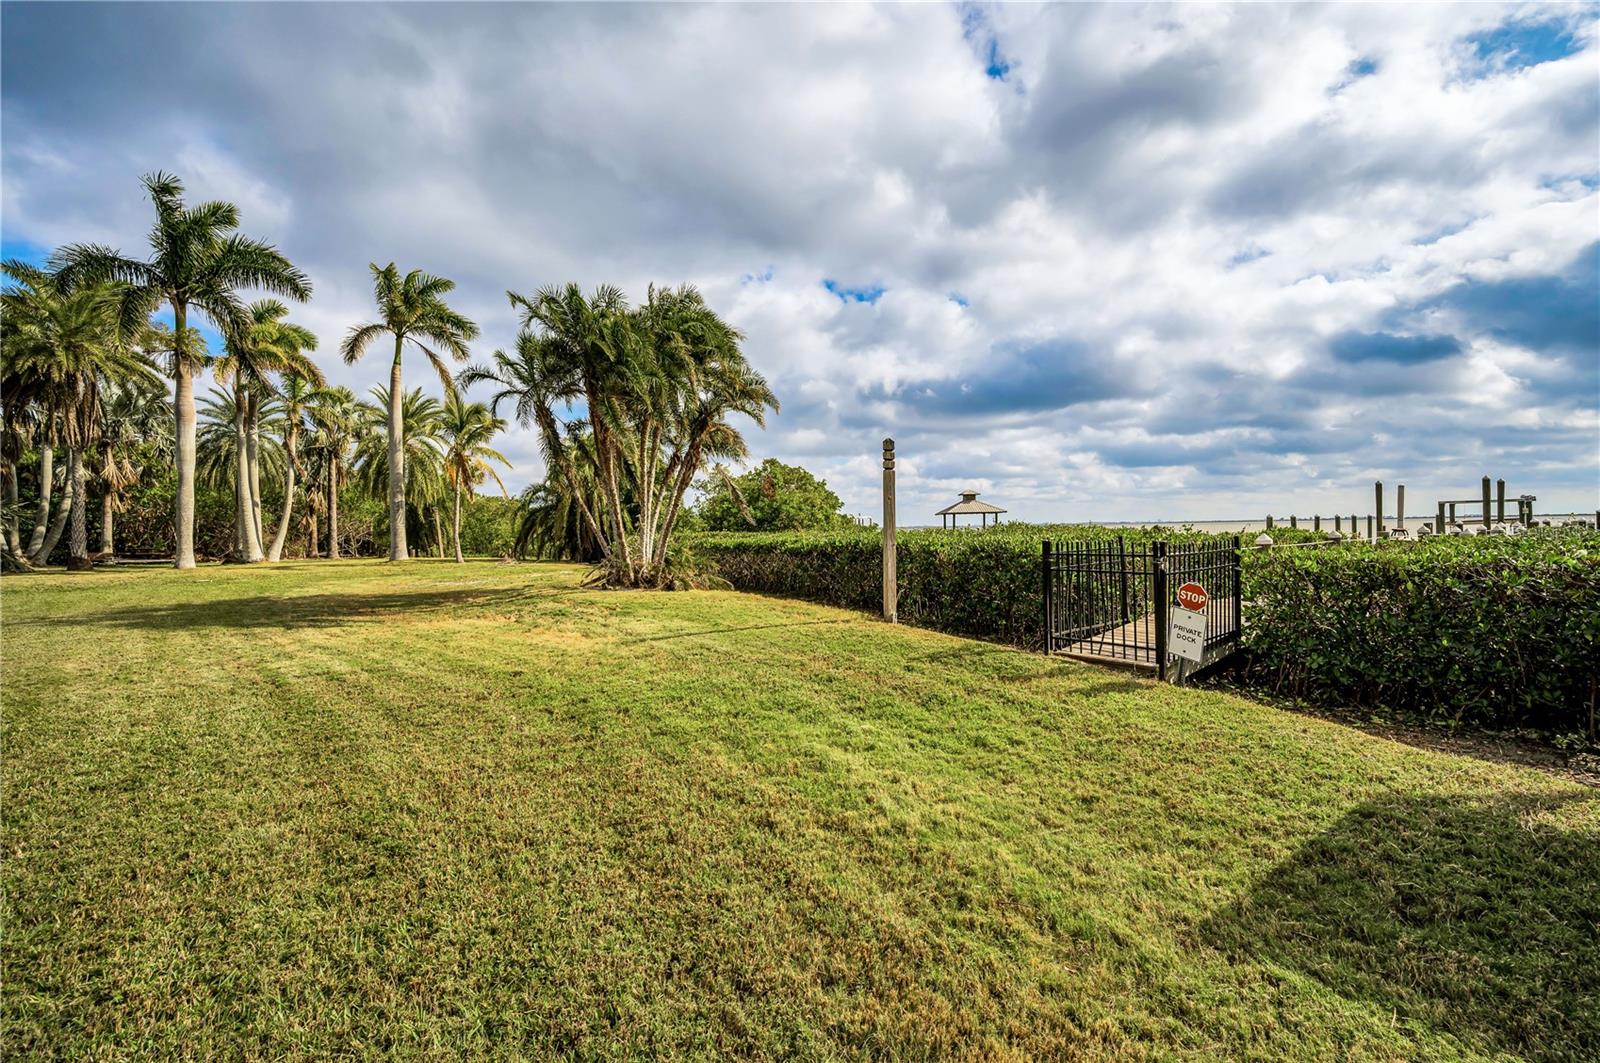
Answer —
(968, 506)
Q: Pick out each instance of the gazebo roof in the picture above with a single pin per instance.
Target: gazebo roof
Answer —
(969, 504)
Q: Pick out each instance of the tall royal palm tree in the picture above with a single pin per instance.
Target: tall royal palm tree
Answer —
(421, 451)
(410, 308)
(466, 429)
(337, 426)
(62, 344)
(271, 345)
(198, 261)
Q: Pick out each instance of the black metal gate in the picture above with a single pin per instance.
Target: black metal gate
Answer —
(1104, 601)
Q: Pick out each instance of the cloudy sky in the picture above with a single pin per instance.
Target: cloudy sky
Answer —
(1099, 262)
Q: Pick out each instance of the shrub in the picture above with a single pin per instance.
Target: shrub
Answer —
(1485, 630)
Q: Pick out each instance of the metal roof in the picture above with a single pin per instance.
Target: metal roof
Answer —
(969, 504)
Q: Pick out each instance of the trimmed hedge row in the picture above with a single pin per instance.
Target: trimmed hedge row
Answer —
(1491, 631)
(1488, 630)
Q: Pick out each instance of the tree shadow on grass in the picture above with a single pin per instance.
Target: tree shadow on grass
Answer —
(288, 611)
(1476, 918)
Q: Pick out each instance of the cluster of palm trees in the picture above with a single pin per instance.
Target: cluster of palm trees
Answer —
(660, 384)
(656, 390)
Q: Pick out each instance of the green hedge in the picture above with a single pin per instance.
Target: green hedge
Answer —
(1486, 630)
(1489, 630)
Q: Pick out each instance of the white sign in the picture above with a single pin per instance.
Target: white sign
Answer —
(1186, 637)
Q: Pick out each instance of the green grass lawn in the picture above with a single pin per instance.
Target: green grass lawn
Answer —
(345, 808)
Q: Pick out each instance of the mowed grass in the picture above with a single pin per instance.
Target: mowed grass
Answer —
(352, 809)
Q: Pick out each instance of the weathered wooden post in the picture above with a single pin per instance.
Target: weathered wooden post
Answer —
(1452, 513)
(1488, 514)
(1316, 522)
(1438, 527)
(1400, 507)
(1269, 522)
(1372, 536)
(1500, 501)
(1293, 521)
(1338, 524)
(891, 585)
(1377, 491)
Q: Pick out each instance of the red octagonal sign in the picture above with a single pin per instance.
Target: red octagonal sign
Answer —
(1192, 596)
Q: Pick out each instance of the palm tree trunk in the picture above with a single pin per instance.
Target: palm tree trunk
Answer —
(247, 547)
(252, 428)
(183, 407)
(13, 522)
(41, 520)
(107, 516)
(675, 504)
(438, 533)
(78, 542)
(282, 534)
(58, 524)
(333, 509)
(457, 522)
(312, 539)
(397, 466)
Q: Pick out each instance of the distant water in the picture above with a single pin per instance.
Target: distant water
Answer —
(1223, 527)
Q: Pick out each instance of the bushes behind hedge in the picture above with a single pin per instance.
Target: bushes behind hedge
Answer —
(1488, 630)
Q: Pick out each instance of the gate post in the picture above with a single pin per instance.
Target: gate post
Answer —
(1158, 555)
(891, 584)
(1238, 591)
(1488, 516)
(1049, 601)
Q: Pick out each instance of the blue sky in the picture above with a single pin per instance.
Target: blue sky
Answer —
(1102, 262)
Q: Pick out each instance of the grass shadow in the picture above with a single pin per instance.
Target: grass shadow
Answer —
(281, 611)
(1476, 918)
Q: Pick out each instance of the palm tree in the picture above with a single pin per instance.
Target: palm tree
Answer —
(295, 396)
(220, 447)
(411, 308)
(534, 381)
(337, 425)
(62, 343)
(421, 451)
(136, 423)
(466, 429)
(660, 385)
(588, 347)
(271, 345)
(198, 260)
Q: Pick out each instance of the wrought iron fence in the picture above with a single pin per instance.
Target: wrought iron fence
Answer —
(1105, 601)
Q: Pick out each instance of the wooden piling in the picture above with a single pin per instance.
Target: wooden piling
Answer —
(1377, 492)
(1488, 514)
(1500, 501)
(1400, 507)
(1438, 525)
(891, 585)
(1316, 523)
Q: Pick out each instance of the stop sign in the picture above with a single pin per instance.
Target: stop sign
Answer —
(1192, 596)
